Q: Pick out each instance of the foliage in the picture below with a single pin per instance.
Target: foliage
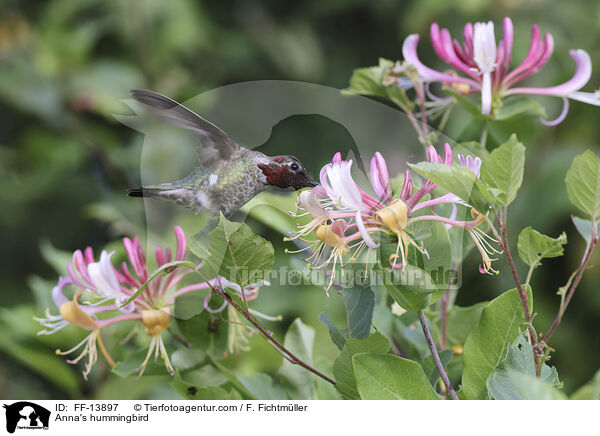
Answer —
(65, 163)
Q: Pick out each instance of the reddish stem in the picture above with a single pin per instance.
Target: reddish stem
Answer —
(435, 355)
(522, 293)
(584, 261)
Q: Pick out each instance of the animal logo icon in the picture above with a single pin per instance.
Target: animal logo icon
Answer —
(26, 415)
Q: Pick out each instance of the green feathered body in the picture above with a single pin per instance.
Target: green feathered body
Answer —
(226, 187)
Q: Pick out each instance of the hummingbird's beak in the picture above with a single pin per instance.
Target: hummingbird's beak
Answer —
(311, 182)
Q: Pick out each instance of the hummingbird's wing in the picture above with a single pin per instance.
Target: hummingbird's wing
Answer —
(215, 144)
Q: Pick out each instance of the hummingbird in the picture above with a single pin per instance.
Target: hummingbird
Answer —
(228, 175)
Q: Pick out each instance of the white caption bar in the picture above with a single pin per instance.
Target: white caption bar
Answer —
(308, 418)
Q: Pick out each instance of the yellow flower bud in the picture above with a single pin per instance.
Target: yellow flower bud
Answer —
(457, 349)
(460, 87)
(394, 216)
(71, 312)
(329, 237)
(156, 321)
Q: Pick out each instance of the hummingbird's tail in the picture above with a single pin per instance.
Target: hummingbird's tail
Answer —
(173, 193)
(135, 192)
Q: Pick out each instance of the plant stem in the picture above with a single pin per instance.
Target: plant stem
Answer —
(484, 135)
(445, 118)
(443, 316)
(411, 117)
(434, 354)
(522, 293)
(584, 261)
(444, 308)
(537, 351)
(291, 357)
(415, 123)
(421, 97)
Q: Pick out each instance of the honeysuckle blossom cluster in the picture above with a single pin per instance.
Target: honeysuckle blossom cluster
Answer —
(482, 66)
(345, 218)
(101, 289)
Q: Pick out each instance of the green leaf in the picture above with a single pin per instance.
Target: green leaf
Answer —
(187, 358)
(262, 387)
(527, 387)
(410, 286)
(500, 324)
(369, 80)
(337, 336)
(56, 258)
(503, 170)
(589, 391)
(438, 262)
(467, 104)
(407, 332)
(519, 358)
(206, 376)
(43, 362)
(533, 246)
(323, 389)
(342, 368)
(205, 331)
(297, 381)
(132, 362)
(472, 148)
(42, 290)
(233, 379)
(399, 97)
(430, 368)
(199, 243)
(507, 112)
(584, 227)
(583, 183)
(518, 108)
(272, 209)
(461, 321)
(190, 391)
(238, 254)
(359, 304)
(389, 377)
(198, 246)
(459, 180)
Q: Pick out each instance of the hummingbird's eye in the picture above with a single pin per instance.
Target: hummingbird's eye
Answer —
(294, 166)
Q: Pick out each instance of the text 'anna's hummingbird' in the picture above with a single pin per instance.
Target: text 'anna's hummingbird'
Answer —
(228, 175)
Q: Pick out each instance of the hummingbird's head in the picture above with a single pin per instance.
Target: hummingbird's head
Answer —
(286, 172)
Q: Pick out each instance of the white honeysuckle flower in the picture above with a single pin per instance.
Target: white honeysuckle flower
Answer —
(484, 47)
(104, 278)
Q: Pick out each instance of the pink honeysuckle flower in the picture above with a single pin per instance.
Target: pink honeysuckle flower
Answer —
(336, 179)
(71, 312)
(473, 164)
(482, 66)
(338, 198)
(54, 323)
(344, 235)
(105, 289)
(97, 278)
(380, 178)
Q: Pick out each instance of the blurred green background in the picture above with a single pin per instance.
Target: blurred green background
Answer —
(65, 161)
